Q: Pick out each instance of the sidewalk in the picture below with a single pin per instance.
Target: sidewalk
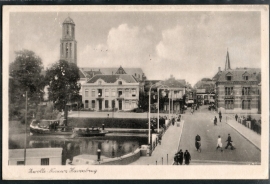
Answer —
(250, 135)
(167, 149)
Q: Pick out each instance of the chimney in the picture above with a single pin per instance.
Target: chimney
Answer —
(219, 69)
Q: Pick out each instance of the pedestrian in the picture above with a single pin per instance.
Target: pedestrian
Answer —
(215, 120)
(176, 159)
(219, 143)
(220, 117)
(187, 157)
(236, 117)
(180, 157)
(229, 142)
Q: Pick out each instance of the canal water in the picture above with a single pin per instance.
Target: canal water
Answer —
(111, 146)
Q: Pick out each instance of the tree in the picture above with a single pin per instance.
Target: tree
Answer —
(25, 75)
(62, 79)
(143, 101)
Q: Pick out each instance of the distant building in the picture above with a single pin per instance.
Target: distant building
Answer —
(106, 92)
(205, 91)
(36, 156)
(237, 89)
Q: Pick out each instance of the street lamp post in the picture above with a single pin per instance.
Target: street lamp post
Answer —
(158, 106)
(25, 127)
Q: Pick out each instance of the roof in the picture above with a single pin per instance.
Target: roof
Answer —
(110, 71)
(172, 83)
(113, 78)
(238, 73)
(68, 21)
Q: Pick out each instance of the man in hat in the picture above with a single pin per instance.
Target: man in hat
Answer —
(229, 142)
(180, 157)
(187, 157)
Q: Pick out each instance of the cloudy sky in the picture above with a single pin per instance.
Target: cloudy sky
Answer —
(187, 45)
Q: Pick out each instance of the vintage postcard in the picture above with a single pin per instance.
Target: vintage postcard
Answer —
(135, 92)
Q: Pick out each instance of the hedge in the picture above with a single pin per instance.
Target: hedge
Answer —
(137, 123)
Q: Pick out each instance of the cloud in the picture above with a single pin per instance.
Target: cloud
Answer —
(125, 45)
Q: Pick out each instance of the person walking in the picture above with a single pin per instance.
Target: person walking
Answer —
(220, 117)
(181, 157)
(215, 120)
(219, 143)
(187, 157)
(236, 117)
(229, 142)
(198, 142)
(176, 159)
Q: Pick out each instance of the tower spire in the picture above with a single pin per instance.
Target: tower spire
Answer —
(227, 64)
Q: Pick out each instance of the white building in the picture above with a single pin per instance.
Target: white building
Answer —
(36, 156)
(105, 92)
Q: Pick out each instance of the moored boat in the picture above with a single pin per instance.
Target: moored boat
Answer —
(87, 132)
(49, 127)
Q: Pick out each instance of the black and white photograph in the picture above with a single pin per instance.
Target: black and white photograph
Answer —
(135, 92)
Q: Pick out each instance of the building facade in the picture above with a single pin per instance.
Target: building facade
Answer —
(237, 89)
(107, 92)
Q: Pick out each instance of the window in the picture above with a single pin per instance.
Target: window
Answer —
(93, 104)
(113, 103)
(70, 46)
(246, 104)
(126, 92)
(229, 78)
(113, 92)
(99, 82)
(106, 103)
(119, 93)
(99, 92)
(66, 50)
(106, 93)
(229, 104)
(67, 30)
(228, 90)
(62, 49)
(86, 104)
(86, 93)
(133, 92)
(45, 161)
(119, 82)
(134, 104)
(126, 104)
(20, 162)
(246, 91)
(72, 31)
(245, 78)
(93, 93)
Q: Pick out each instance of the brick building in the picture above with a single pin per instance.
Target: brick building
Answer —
(237, 89)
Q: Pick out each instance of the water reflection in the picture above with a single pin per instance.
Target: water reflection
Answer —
(110, 146)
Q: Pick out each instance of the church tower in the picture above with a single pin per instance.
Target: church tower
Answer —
(68, 44)
(227, 64)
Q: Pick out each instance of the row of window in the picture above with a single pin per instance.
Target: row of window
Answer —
(229, 104)
(128, 93)
(43, 161)
(128, 104)
(229, 78)
(245, 91)
(67, 48)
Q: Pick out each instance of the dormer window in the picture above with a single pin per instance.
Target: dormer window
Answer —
(245, 78)
(229, 78)
(119, 82)
(99, 82)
